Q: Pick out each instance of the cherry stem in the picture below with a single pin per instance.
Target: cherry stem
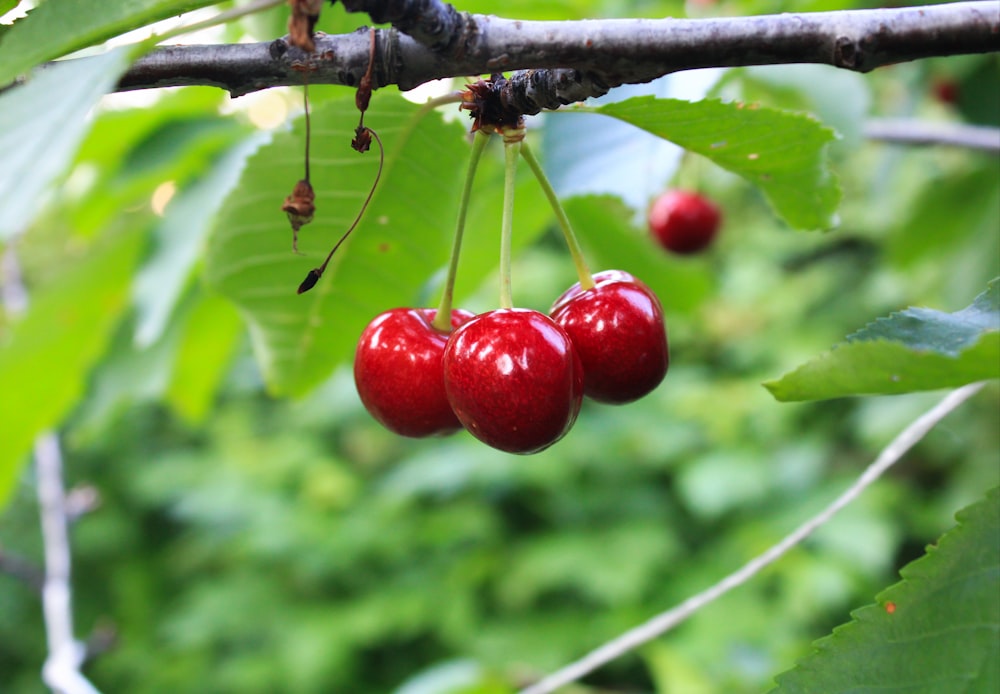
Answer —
(313, 277)
(512, 140)
(582, 270)
(438, 101)
(442, 320)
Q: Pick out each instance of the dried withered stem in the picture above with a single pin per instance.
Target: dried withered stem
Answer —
(302, 22)
(300, 205)
(300, 208)
(362, 142)
(313, 276)
(362, 138)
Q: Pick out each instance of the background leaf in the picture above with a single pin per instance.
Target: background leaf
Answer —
(54, 29)
(45, 359)
(781, 153)
(180, 238)
(39, 134)
(937, 630)
(915, 349)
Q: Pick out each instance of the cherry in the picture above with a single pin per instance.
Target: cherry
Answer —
(618, 330)
(398, 372)
(684, 222)
(513, 379)
(946, 91)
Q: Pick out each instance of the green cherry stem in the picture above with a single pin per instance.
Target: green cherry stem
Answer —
(512, 141)
(442, 320)
(582, 270)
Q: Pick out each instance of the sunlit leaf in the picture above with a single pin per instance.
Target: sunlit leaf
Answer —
(180, 240)
(211, 333)
(46, 357)
(938, 630)
(915, 349)
(54, 29)
(39, 133)
(780, 152)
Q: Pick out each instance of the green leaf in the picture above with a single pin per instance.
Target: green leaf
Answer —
(40, 133)
(180, 238)
(915, 349)
(780, 152)
(938, 630)
(8, 5)
(403, 239)
(925, 329)
(56, 28)
(45, 359)
(211, 333)
(951, 207)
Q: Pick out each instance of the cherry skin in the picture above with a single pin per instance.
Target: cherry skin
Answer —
(399, 375)
(684, 222)
(513, 379)
(618, 330)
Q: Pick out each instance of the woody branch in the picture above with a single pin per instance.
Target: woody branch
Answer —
(565, 61)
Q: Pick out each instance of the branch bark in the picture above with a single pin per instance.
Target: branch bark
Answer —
(563, 62)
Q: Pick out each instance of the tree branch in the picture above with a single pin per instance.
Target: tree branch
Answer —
(663, 622)
(563, 62)
(912, 132)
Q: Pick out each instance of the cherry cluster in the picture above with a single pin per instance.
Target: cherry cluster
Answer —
(514, 378)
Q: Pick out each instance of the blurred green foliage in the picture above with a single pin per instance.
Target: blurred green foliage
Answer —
(247, 543)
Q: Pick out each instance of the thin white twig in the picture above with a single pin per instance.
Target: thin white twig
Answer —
(913, 132)
(665, 621)
(61, 671)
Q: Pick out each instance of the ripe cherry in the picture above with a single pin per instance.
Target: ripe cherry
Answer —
(618, 330)
(946, 91)
(513, 379)
(684, 222)
(399, 375)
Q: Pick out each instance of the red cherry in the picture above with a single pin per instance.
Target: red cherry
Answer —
(618, 330)
(398, 372)
(684, 222)
(946, 91)
(513, 379)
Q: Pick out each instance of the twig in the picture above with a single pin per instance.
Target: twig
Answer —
(912, 132)
(61, 670)
(572, 60)
(665, 621)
